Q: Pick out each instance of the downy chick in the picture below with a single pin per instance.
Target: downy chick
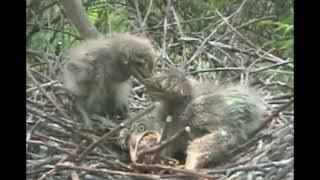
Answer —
(220, 117)
(142, 134)
(98, 71)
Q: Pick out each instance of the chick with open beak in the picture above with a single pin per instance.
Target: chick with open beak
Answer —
(141, 136)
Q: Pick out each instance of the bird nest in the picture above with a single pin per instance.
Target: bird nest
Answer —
(59, 147)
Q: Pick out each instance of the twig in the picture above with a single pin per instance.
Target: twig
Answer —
(47, 160)
(53, 170)
(31, 131)
(43, 85)
(55, 30)
(108, 171)
(165, 143)
(44, 92)
(74, 175)
(38, 53)
(256, 167)
(281, 96)
(273, 115)
(181, 34)
(136, 5)
(114, 130)
(201, 47)
(147, 14)
(235, 30)
(165, 29)
(64, 124)
(217, 69)
(168, 168)
(271, 66)
(243, 25)
(284, 171)
(52, 146)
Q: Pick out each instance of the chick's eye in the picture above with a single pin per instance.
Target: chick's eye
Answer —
(141, 128)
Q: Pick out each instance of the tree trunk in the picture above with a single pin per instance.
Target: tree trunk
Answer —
(77, 14)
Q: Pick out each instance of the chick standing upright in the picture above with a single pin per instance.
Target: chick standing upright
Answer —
(98, 71)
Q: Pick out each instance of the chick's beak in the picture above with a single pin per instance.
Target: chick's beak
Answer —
(142, 142)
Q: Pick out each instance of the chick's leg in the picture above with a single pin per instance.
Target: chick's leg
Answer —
(210, 148)
(84, 115)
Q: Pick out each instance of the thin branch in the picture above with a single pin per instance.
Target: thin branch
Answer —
(77, 14)
(136, 5)
(273, 115)
(218, 69)
(53, 147)
(108, 171)
(184, 55)
(168, 168)
(271, 66)
(44, 92)
(114, 131)
(201, 47)
(244, 25)
(165, 143)
(147, 14)
(55, 30)
(284, 171)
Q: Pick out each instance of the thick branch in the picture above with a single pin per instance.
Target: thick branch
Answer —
(77, 14)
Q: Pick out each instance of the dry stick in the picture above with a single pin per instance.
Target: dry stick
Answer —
(114, 130)
(271, 66)
(247, 40)
(200, 48)
(108, 171)
(248, 70)
(273, 115)
(235, 30)
(74, 175)
(257, 167)
(184, 53)
(218, 69)
(136, 5)
(162, 138)
(147, 14)
(243, 25)
(76, 13)
(281, 96)
(55, 30)
(38, 53)
(165, 143)
(66, 123)
(44, 92)
(50, 83)
(31, 131)
(52, 146)
(53, 139)
(284, 172)
(175, 23)
(47, 160)
(56, 121)
(50, 172)
(249, 52)
(165, 22)
(255, 139)
(168, 168)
